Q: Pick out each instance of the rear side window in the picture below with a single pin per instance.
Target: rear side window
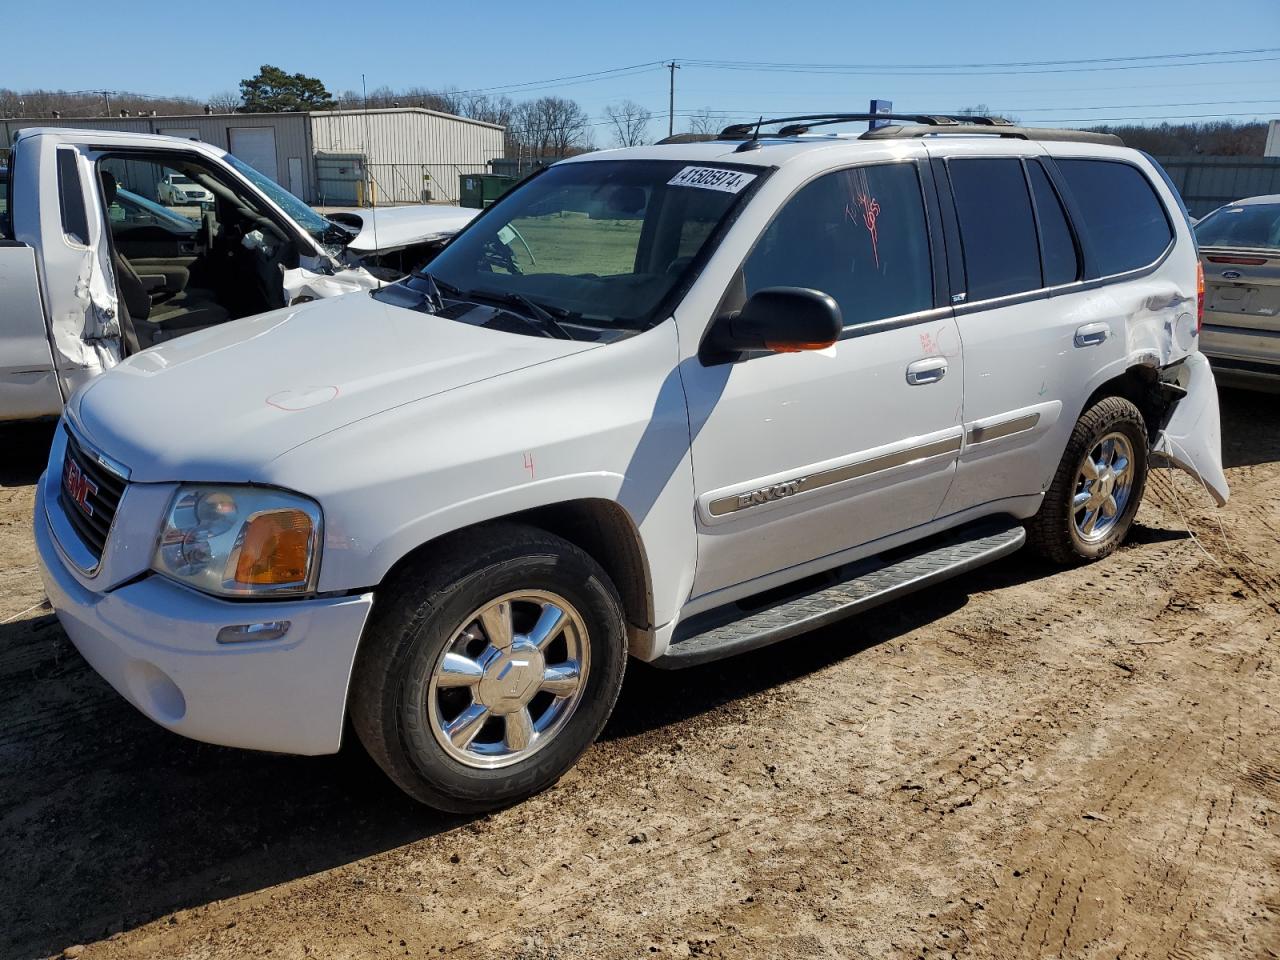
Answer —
(858, 235)
(1057, 248)
(997, 229)
(1124, 221)
(75, 221)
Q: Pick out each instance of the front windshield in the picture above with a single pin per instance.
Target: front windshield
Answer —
(306, 218)
(179, 178)
(1255, 225)
(602, 242)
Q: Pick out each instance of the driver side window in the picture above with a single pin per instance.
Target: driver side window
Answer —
(858, 235)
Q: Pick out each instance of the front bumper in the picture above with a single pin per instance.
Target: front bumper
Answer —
(155, 642)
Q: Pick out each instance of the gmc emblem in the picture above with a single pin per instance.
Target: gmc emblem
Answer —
(78, 487)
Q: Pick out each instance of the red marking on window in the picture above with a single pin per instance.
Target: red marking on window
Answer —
(528, 465)
(867, 210)
(870, 212)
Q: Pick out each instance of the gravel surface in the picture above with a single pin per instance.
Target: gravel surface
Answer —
(1024, 762)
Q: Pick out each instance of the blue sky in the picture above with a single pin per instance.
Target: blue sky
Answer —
(138, 47)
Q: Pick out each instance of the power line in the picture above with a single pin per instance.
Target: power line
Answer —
(853, 70)
(1192, 116)
(568, 80)
(727, 116)
(1012, 63)
(1055, 89)
(995, 110)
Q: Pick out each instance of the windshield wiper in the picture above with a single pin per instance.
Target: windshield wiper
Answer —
(434, 300)
(542, 317)
(437, 283)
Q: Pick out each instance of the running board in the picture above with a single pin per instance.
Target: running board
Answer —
(867, 584)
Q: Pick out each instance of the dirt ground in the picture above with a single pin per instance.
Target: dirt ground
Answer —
(1023, 763)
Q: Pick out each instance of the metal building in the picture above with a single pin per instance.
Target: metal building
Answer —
(406, 154)
(399, 155)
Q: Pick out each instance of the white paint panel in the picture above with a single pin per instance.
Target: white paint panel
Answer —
(186, 133)
(256, 146)
(28, 386)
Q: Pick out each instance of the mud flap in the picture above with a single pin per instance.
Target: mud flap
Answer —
(1192, 439)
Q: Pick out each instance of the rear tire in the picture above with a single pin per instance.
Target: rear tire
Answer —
(456, 692)
(1096, 491)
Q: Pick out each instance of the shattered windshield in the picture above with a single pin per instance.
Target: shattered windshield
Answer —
(303, 215)
(594, 244)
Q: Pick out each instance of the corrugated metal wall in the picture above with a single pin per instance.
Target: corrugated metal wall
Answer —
(292, 133)
(412, 154)
(1206, 183)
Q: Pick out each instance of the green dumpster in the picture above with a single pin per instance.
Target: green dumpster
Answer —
(478, 190)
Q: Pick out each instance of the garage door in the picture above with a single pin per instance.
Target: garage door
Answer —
(256, 146)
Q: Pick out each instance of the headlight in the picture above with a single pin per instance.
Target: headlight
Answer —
(240, 541)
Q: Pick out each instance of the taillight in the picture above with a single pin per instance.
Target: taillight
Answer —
(1199, 296)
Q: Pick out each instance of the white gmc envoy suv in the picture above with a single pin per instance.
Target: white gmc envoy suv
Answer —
(670, 402)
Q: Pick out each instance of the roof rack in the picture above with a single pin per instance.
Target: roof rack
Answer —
(915, 125)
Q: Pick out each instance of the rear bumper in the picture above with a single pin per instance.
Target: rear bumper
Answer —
(155, 642)
(1240, 346)
(1192, 439)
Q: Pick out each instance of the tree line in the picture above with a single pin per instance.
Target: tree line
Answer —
(542, 127)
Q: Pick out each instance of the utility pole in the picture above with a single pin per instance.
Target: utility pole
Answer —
(106, 95)
(671, 101)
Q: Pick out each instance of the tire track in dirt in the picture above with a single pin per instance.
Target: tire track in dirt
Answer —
(1074, 764)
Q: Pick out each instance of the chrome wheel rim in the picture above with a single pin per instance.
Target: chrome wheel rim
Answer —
(509, 679)
(1104, 484)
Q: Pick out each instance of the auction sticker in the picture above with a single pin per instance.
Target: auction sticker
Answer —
(711, 178)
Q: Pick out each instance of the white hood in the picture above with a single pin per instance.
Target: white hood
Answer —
(389, 228)
(223, 403)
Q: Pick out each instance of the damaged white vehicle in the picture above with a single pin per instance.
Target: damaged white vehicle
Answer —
(84, 282)
(673, 402)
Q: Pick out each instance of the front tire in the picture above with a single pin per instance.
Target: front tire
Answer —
(488, 668)
(1096, 491)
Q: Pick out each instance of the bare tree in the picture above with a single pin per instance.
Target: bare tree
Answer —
(982, 110)
(1220, 138)
(630, 123)
(91, 103)
(224, 101)
(705, 121)
(551, 127)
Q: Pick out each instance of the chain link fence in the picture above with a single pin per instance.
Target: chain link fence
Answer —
(419, 182)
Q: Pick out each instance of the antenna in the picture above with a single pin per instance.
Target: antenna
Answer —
(368, 165)
(754, 142)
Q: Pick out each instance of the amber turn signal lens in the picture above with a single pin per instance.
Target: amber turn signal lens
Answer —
(275, 549)
(798, 347)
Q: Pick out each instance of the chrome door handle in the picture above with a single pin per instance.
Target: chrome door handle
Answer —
(1092, 334)
(929, 370)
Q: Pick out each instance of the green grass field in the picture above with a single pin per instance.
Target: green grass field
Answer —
(573, 243)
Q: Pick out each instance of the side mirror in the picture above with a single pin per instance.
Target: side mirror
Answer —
(776, 319)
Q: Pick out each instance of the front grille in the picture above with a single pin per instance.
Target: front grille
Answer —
(89, 494)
